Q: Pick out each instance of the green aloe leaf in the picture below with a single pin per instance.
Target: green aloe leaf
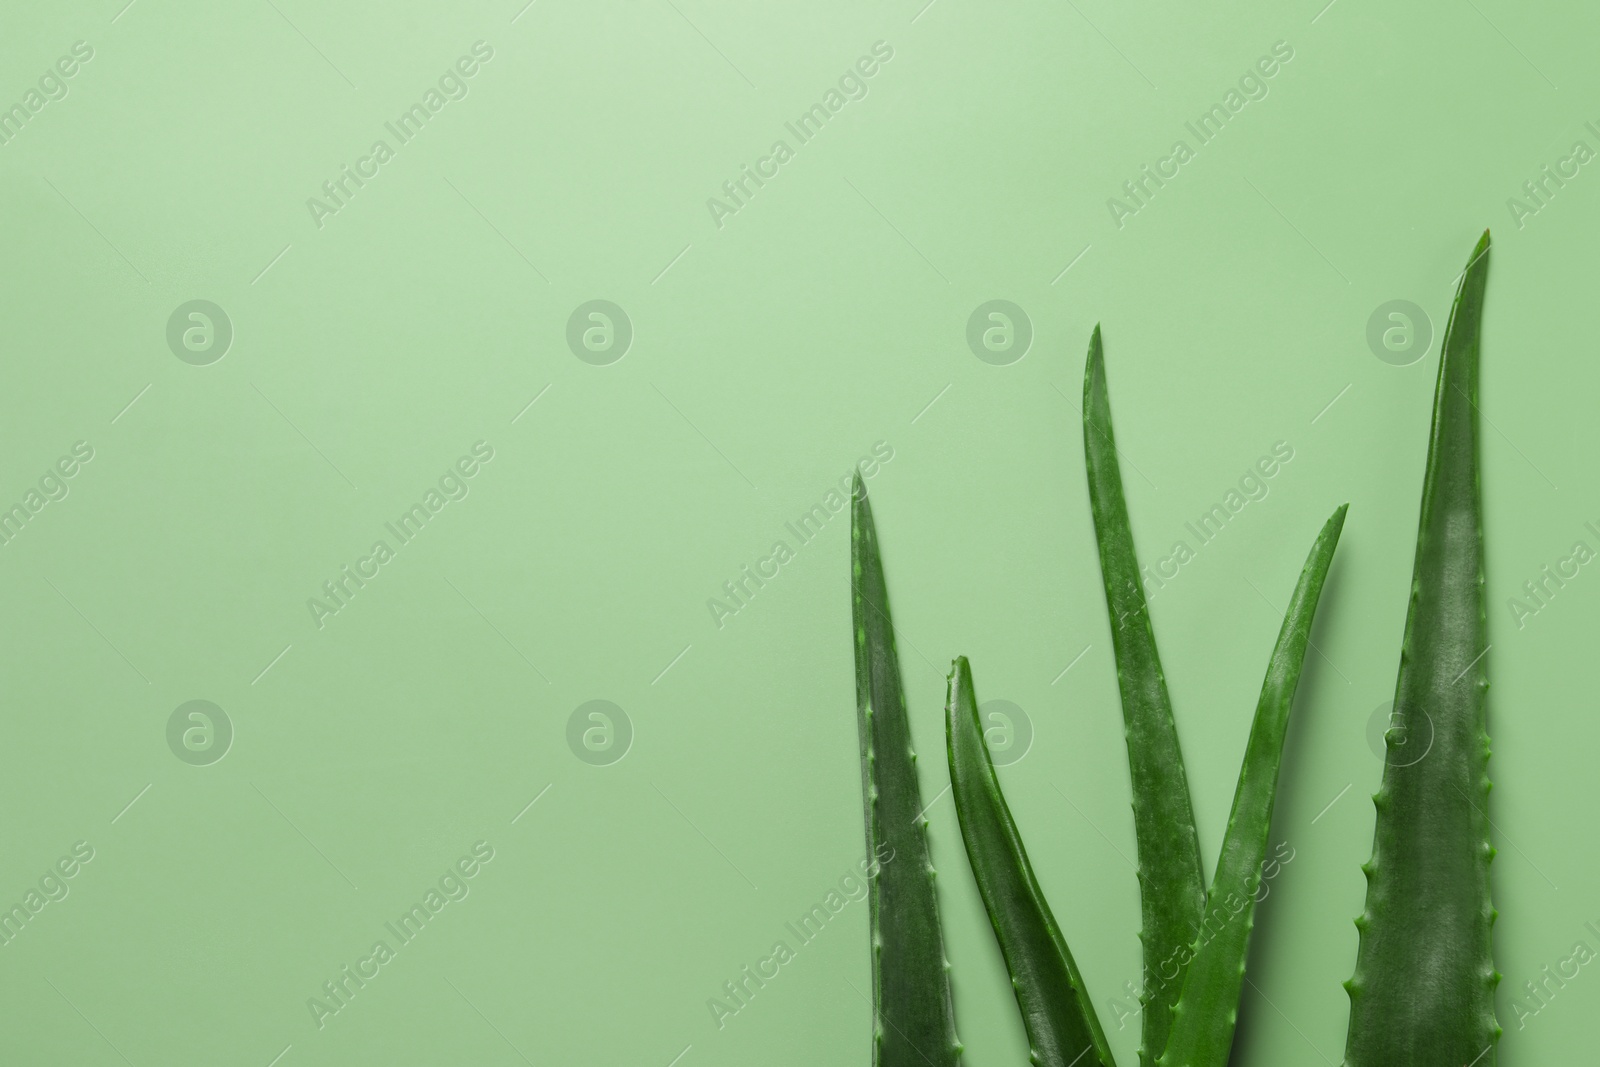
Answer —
(1203, 1023)
(914, 1019)
(1056, 1011)
(1423, 990)
(1171, 885)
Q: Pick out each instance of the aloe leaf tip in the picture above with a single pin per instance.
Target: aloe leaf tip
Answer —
(914, 1017)
(1423, 988)
(1063, 1030)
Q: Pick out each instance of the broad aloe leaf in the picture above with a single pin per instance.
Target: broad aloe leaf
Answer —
(1171, 885)
(1203, 1024)
(1423, 990)
(1056, 1011)
(914, 1020)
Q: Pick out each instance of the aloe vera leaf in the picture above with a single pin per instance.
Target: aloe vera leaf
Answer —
(1203, 1022)
(914, 1018)
(1062, 1027)
(1171, 885)
(1423, 990)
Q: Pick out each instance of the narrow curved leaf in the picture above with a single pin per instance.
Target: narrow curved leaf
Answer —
(1056, 1011)
(1203, 1022)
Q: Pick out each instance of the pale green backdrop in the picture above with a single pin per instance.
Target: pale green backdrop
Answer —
(769, 348)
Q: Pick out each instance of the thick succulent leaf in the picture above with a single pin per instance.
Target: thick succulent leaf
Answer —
(1171, 885)
(1056, 1011)
(914, 1020)
(1423, 990)
(1203, 1023)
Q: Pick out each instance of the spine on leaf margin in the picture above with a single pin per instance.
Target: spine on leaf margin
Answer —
(1171, 886)
(1208, 1009)
(913, 1017)
(1057, 1013)
(1423, 990)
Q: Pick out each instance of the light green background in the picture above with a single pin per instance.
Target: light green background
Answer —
(768, 356)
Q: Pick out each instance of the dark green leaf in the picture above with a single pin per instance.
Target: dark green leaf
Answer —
(1056, 1011)
(1423, 990)
(914, 1023)
(1171, 885)
(1203, 1023)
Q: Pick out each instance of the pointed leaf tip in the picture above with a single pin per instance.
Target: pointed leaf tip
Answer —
(912, 1008)
(860, 508)
(1057, 1013)
(1207, 1010)
(1172, 895)
(1094, 375)
(1446, 1010)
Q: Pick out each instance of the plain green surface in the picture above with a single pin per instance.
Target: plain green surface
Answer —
(370, 754)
